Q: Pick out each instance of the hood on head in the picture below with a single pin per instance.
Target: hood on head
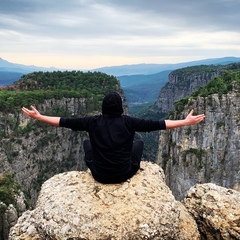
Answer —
(112, 104)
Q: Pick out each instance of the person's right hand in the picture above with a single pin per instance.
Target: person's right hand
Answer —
(33, 113)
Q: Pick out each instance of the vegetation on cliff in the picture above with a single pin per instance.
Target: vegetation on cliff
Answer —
(204, 69)
(221, 85)
(36, 87)
(9, 188)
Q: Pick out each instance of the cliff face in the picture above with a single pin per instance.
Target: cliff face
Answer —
(208, 152)
(40, 151)
(181, 85)
(35, 151)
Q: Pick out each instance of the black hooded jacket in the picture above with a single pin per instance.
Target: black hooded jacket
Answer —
(111, 135)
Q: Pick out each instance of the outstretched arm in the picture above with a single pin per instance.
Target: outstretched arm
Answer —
(189, 120)
(34, 113)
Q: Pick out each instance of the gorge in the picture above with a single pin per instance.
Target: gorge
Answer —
(205, 153)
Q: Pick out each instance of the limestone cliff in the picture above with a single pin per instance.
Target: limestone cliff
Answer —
(182, 82)
(39, 151)
(35, 151)
(73, 205)
(208, 152)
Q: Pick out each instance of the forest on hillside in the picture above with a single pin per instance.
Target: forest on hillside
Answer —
(220, 85)
(36, 87)
(202, 69)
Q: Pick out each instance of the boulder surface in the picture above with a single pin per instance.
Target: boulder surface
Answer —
(216, 210)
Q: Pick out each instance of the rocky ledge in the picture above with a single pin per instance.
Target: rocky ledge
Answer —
(72, 206)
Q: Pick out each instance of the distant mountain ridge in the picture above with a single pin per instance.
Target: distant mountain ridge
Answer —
(11, 72)
(132, 69)
(145, 68)
(6, 66)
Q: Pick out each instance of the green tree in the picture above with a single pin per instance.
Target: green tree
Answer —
(8, 189)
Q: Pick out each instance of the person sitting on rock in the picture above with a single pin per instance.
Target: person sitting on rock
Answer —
(111, 154)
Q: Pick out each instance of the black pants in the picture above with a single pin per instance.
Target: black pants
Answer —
(137, 151)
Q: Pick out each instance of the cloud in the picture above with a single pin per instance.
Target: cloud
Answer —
(111, 31)
(192, 13)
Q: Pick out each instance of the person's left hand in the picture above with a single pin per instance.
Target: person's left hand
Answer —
(191, 120)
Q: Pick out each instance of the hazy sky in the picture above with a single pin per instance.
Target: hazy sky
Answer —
(86, 34)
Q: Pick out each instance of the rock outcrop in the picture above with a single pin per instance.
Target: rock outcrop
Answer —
(73, 205)
(216, 211)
